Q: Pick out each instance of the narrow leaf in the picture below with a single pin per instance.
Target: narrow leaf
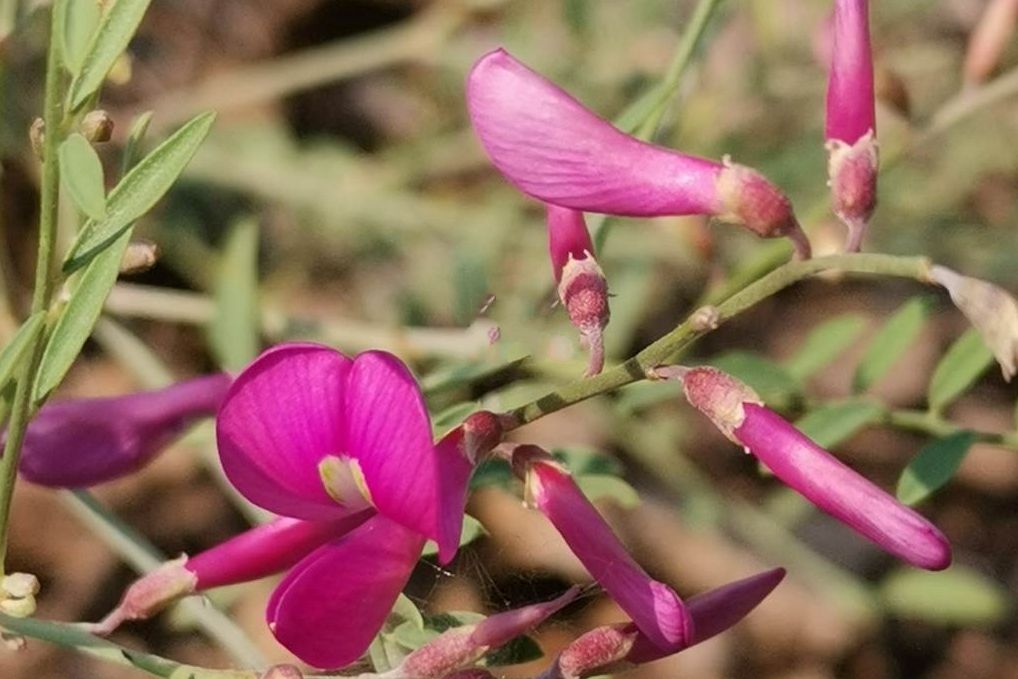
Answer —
(958, 596)
(81, 172)
(835, 423)
(79, 316)
(139, 126)
(140, 189)
(824, 344)
(110, 39)
(963, 364)
(234, 329)
(897, 335)
(933, 466)
(78, 23)
(14, 351)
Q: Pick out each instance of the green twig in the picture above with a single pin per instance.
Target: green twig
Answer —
(44, 280)
(707, 319)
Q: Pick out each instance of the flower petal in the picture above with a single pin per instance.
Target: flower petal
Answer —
(389, 434)
(555, 149)
(850, 104)
(841, 491)
(653, 606)
(283, 415)
(454, 471)
(329, 607)
(83, 442)
(568, 237)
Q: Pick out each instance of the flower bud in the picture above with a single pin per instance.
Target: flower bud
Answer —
(852, 172)
(810, 470)
(482, 431)
(97, 126)
(150, 594)
(990, 309)
(22, 607)
(599, 651)
(582, 286)
(138, 257)
(20, 585)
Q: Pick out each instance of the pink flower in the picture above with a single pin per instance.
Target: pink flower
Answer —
(851, 120)
(460, 647)
(655, 609)
(342, 448)
(810, 470)
(615, 647)
(83, 442)
(553, 148)
(582, 286)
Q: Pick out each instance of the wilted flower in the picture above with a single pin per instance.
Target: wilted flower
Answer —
(810, 470)
(457, 648)
(612, 648)
(851, 120)
(582, 286)
(990, 308)
(82, 442)
(553, 148)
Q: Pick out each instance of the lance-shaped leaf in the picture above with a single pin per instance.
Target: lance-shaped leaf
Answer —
(116, 28)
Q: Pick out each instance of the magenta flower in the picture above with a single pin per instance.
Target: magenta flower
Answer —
(582, 287)
(851, 120)
(612, 648)
(83, 442)
(553, 148)
(810, 470)
(458, 648)
(655, 609)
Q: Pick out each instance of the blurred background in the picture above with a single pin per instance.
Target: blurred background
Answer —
(342, 197)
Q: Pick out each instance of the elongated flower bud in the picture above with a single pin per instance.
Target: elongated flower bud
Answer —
(257, 553)
(555, 149)
(990, 39)
(582, 286)
(812, 471)
(460, 647)
(615, 647)
(851, 120)
(990, 309)
(654, 607)
(82, 442)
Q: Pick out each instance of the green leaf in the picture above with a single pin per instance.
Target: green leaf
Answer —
(472, 530)
(958, 596)
(140, 189)
(79, 316)
(411, 636)
(891, 342)
(933, 466)
(14, 350)
(385, 650)
(834, 423)
(78, 21)
(965, 361)
(110, 39)
(81, 172)
(600, 486)
(440, 622)
(139, 126)
(825, 343)
(770, 380)
(234, 329)
(468, 375)
(519, 650)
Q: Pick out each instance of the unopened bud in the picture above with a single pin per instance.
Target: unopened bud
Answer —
(716, 394)
(282, 672)
(37, 136)
(584, 293)
(750, 199)
(990, 309)
(852, 172)
(599, 651)
(20, 585)
(139, 256)
(18, 608)
(97, 126)
(150, 594)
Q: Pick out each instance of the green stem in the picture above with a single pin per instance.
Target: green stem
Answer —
(707, 319)
(44, 280)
